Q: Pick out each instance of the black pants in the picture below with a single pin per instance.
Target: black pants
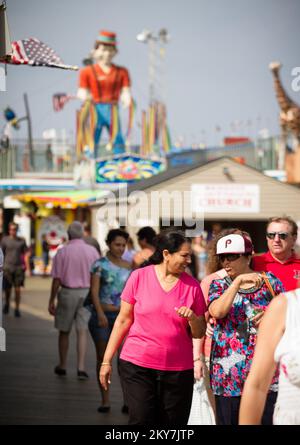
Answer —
(156, 397)
(227, 409)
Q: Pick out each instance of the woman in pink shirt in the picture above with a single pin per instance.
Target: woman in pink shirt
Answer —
(162, 309)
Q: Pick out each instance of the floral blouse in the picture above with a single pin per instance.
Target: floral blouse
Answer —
(112, 280)
(234, 336)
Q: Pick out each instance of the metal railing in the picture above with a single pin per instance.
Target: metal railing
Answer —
(262, 154)
(60, 157)
(7, 163)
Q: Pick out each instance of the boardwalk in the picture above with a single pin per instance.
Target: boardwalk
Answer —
(30, 393)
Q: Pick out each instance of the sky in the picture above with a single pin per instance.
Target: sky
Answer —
(215, 69)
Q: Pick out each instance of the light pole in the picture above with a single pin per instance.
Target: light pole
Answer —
(151, 39)
(157, 108)
(13, 121)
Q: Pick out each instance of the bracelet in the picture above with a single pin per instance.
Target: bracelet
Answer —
(105, 363)
(197, 359)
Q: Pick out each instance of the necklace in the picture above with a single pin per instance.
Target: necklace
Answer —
(165, 278)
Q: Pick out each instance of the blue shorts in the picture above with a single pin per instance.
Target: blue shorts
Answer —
(96, 331)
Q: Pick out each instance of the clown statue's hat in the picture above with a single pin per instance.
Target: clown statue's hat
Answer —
(107, 38)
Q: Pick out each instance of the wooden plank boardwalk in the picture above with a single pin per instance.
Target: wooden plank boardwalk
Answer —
(30, 392)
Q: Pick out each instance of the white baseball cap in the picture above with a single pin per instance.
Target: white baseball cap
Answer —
(234, 244)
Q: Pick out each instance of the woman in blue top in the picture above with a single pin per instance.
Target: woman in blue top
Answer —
(108, 277)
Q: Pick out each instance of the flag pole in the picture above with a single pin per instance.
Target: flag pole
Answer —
(5, 44)
(28, 118)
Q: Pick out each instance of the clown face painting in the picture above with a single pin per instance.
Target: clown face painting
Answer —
(55, 232)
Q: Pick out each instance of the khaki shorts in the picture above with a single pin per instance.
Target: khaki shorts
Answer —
(70, 308)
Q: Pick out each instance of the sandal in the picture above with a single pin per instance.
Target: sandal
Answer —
(60, 371)
(103, 409)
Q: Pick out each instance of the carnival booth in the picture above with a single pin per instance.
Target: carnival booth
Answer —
(54, 211)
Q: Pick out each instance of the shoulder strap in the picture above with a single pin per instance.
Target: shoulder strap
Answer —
(97, 81)
(269, 286)
(115, 84)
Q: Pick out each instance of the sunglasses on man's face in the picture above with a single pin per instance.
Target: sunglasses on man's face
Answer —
(282, 235)
(229, 256)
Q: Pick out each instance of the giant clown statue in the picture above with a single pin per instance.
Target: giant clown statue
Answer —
(105, 84)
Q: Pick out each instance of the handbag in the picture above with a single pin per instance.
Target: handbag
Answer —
(201, 411)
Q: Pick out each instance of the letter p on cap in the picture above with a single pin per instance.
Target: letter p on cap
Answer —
(227, 243)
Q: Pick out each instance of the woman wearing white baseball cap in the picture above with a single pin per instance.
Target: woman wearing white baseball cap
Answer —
(237, 302)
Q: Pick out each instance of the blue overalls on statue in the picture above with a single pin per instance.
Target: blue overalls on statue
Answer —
(104, 117)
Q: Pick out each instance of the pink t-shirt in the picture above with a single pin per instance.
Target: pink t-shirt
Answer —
(158, 337)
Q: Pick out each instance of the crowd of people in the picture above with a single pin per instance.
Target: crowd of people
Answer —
(177, 310)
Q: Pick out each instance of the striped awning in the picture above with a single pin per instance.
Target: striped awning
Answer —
(68, 199)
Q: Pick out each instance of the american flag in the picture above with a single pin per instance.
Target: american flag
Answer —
(34, 52)
(59, 100)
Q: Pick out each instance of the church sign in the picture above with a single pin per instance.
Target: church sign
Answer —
(225, 198)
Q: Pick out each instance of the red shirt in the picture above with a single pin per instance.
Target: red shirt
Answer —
(104, 87)
(287, 272)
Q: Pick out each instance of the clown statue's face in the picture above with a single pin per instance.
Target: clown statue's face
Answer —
(104, 54)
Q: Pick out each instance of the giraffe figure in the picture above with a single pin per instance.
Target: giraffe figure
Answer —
(289, 110)
(290, 127)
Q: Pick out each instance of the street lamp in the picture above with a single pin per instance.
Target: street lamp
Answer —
(144, 36)
(13, 121)
(163, 35)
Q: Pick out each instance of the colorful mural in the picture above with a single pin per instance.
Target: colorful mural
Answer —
(127, 169)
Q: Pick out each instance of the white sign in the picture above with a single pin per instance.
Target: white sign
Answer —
(50, 133)
(225, 198)
(2, 79)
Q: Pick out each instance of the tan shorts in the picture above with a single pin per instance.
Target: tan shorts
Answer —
(70, 308)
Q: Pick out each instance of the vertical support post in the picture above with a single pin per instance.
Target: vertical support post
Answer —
(30, 145)
(151, 43)
(2, 331)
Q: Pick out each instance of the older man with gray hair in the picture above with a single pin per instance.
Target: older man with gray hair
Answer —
(70, 285)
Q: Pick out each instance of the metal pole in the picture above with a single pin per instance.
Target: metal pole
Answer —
(2, 331)
(162, 74)
(5, 43)
(30, 146)
(151, 43)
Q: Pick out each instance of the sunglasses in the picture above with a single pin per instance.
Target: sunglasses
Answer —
(229, 256)
(282, 235)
